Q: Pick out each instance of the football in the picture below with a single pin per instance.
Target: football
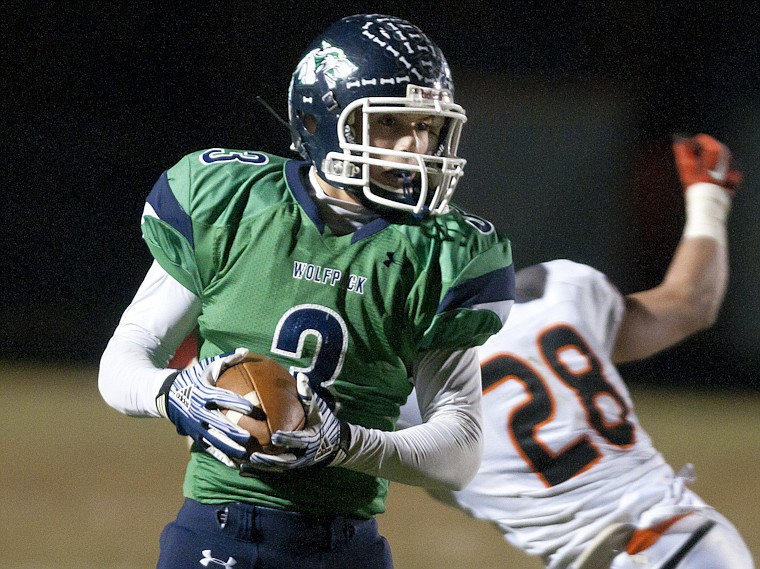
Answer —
(274, 395)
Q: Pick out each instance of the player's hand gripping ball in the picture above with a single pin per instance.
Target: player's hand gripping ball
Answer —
(274, 395)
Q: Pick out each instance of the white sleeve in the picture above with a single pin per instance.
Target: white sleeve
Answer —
(444, 451)
(133, 365)
(410, 412)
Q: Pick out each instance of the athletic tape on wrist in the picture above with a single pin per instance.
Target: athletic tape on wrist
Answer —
(163, 394)
(707, 207)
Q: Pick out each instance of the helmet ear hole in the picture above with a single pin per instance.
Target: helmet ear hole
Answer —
(310, 122)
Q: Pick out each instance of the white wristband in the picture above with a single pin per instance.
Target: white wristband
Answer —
(707, 207)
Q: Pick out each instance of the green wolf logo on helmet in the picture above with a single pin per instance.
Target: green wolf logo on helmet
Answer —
(331, 61)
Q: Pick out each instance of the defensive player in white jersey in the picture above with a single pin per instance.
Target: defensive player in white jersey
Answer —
(568, 473)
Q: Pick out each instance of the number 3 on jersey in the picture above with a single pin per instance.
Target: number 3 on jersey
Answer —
(330, 338)
(590, 387)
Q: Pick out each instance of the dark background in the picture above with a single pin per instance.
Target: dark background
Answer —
(571, 109)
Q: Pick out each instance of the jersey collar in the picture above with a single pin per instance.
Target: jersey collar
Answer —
(297, 175)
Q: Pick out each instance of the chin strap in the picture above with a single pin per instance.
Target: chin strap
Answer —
(408, 194)
(407, 188)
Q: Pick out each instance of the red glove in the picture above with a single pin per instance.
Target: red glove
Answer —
(701, 158)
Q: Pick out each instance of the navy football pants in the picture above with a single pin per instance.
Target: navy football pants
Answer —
(244, 536)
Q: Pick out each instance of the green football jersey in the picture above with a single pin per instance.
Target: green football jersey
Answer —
(239, 230)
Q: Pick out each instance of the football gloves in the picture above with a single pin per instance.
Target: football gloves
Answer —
(190, 401)
(323, 441)
(701, 158)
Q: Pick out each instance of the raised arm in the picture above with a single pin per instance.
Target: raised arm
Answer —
(690, 295)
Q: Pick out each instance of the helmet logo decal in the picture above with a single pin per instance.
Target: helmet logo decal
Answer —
(329, 60)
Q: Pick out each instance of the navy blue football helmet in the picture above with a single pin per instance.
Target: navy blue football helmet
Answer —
(370, 63)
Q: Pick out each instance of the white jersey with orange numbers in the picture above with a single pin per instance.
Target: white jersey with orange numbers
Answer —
(565, 457)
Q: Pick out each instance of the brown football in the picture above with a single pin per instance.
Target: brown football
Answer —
(274, 395)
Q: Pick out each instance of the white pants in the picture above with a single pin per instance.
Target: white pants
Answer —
(701, 540)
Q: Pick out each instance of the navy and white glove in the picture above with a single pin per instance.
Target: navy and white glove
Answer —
(323, 441)
(190, 401)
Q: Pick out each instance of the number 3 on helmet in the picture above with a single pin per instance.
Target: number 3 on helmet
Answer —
(367, 64)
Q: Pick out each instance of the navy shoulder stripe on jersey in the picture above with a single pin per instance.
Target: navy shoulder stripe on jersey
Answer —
(168, 210)
(491, 288)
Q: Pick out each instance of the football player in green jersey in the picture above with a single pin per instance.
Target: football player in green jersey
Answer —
(353, 270)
